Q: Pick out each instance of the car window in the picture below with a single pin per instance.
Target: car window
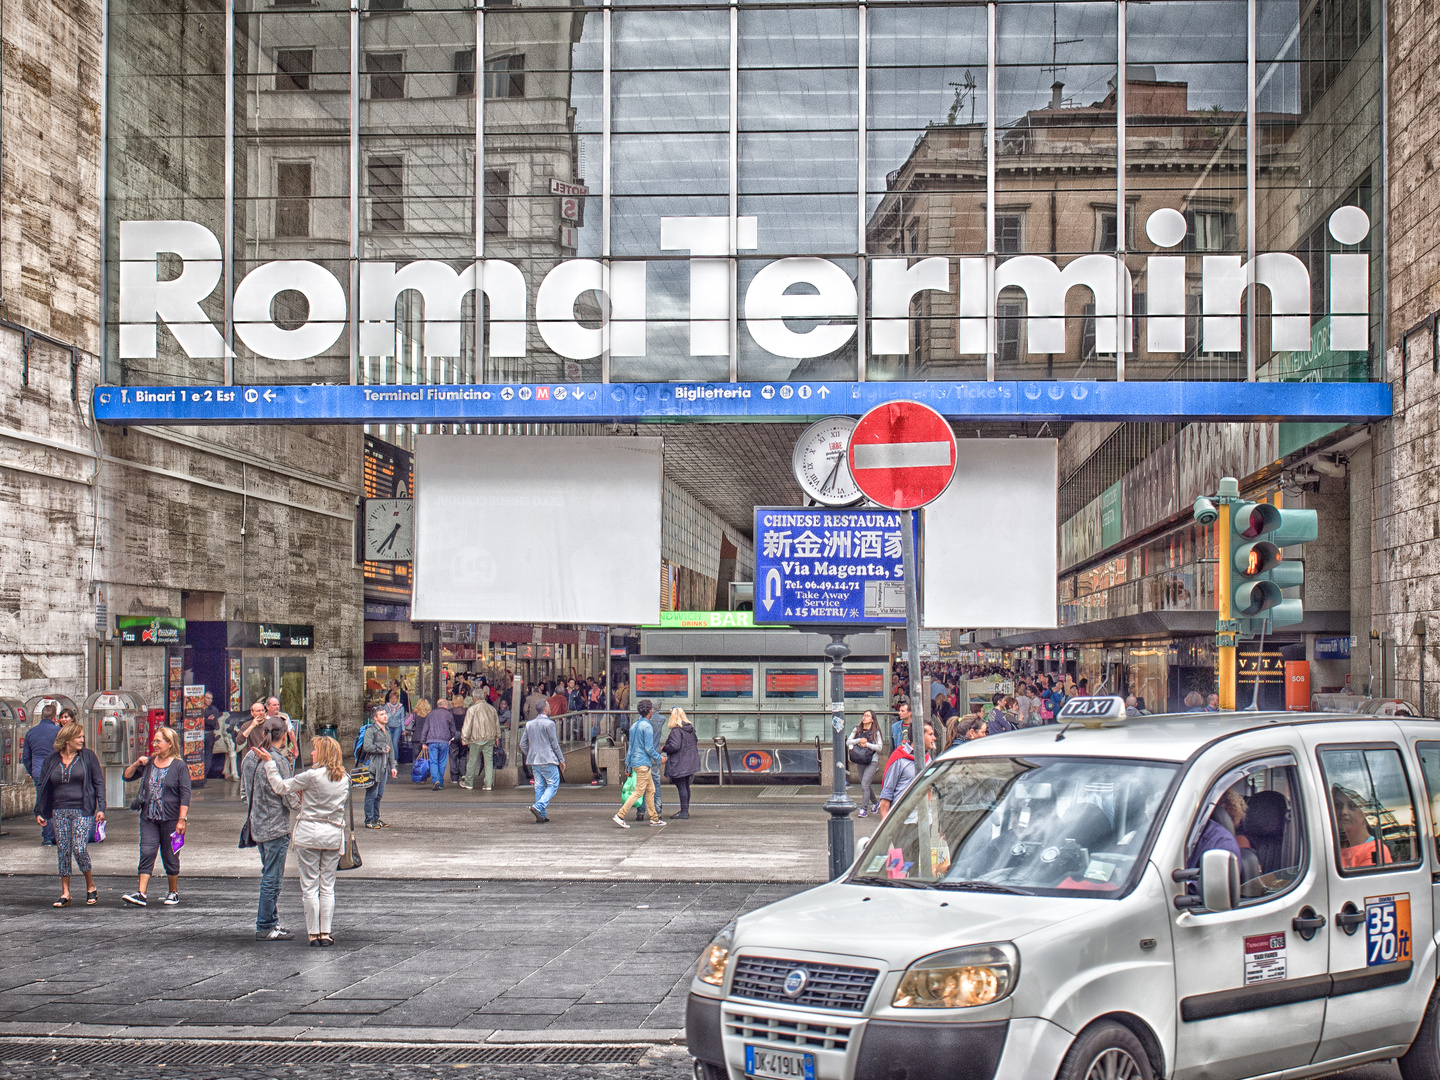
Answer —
(1371, 809)
(1429, 754)
(1255, 812)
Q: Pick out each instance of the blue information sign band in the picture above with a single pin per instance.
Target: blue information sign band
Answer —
(754, 401)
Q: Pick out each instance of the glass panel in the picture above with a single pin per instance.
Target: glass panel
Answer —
(1254, 813)
(1371, 808)
(988, 821)
(1429, 754)
(292, 690)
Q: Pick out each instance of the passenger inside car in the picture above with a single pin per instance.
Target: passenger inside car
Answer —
(1358, 846)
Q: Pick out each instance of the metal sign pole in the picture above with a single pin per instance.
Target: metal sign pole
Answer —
(839, 806)
(918, 697)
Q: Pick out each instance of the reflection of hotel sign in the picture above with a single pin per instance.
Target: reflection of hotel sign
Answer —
(145, 301)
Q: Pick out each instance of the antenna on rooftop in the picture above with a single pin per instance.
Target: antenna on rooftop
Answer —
(1055, 67)
(962, 91)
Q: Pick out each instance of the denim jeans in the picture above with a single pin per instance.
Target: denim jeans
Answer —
(439, 758)
(272, 874)
(373, 795)
(547, 779)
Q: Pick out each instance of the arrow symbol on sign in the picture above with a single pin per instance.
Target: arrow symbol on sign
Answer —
(772, 579)
(269, 396)
(823, 391)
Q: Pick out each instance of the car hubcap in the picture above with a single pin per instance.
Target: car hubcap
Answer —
(1114, 1064)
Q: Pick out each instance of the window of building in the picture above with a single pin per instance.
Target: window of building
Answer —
(497, 202)
(1330, 34)
(1008, 316)
(505, 76)
(1009, 239)
(293, 180)
(1105, 238)
(386, 174)
(387, 5)
(1371, 809)
(465, 73)
(293, 68)
(387, 75)
(1209, 230)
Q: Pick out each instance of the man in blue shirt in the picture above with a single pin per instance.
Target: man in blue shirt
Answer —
(899, 730)
(642, 758)
(39, 744)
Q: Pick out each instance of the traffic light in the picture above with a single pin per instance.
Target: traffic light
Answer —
(1260, 571)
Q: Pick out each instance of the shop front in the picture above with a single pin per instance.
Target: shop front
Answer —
(240, 663)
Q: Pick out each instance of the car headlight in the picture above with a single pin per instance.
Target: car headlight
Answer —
(716, 957)
(959, 978)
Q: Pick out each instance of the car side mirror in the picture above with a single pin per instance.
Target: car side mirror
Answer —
(1219, 880)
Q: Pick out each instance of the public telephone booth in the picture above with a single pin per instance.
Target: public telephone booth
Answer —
(118, 731)
(36, 705)
(12, 740)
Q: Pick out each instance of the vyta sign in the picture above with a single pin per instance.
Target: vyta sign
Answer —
(829, 301)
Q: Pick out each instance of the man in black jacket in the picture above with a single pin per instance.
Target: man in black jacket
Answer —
(39, 742)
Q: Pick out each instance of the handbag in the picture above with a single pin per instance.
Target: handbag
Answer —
(362, 777)
(97, 835)
(246, 840)
(350, 852)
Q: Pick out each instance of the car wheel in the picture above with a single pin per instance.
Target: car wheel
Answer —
(1422, 1060)
(705, 1071)
(1107, 1051)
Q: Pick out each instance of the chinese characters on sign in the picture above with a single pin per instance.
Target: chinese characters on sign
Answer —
(817, 565)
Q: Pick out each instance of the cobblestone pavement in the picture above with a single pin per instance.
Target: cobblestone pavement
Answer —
(409, 956)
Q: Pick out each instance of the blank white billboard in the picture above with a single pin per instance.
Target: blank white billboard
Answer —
(559, 529)
(990, 540)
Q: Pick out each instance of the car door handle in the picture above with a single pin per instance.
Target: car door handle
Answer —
(1349, 918)
(1307, 922)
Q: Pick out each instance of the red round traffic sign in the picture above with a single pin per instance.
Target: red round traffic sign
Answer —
(902, 455)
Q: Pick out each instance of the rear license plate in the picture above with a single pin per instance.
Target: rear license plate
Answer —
(778, 1065)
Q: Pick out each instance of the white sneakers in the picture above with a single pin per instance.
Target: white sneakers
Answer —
(620, 821)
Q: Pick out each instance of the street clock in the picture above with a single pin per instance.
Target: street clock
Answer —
(821, 462)
(389, 530)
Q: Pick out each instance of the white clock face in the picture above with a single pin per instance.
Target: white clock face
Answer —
(821, 462)
(389, 530)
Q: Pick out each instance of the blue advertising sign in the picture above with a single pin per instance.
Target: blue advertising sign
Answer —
(785, 401)
(1333, 648)
(829, 566)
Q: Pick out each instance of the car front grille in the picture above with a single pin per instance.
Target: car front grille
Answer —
(827, 986)
(800, 1034)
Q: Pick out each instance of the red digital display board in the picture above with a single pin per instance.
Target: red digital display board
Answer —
(865, 682)
(661, 682)
(727, 683)
(792, 682)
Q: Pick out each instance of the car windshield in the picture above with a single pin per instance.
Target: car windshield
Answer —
(1052, 826)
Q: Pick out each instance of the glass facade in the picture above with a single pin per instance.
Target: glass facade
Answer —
(303, 191)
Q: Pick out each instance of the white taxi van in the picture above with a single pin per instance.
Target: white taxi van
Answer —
(1202, 895)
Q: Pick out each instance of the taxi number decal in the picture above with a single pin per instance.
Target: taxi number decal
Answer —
(1265, 957)
(1387, 929)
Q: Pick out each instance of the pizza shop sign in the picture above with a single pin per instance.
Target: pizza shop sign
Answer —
(830, 302)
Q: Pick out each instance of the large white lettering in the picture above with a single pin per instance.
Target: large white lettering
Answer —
(443, 290)
(144, 298)
(768, 305)
(711, 297)
(831, 303)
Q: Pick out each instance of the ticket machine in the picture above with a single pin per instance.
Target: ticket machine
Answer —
(117, 730)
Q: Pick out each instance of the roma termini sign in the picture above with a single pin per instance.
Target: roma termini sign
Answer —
(831, 305)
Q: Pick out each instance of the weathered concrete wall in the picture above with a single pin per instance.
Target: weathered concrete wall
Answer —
(1405, 553)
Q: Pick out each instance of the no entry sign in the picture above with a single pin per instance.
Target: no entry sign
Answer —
(902, 455)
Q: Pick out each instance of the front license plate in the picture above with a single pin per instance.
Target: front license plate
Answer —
(778, 1065)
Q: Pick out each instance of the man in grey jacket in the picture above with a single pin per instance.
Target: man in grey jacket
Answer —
(270, 829)
(540, 746)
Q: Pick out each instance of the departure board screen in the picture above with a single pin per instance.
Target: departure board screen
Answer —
(865, 682)
(795, 684)
(727, 683)
(661, 683)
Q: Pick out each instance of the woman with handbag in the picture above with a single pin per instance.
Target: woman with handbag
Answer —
(682, 749)
(319, 834)
(70, 792)
(863, 748)
(164, 806)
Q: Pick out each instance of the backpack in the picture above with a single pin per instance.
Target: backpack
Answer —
(497, 757)
(359, 741)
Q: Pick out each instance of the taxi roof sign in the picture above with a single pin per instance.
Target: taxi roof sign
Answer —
(1092, 712)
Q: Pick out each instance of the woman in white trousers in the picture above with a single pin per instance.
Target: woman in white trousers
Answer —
(321, 792)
